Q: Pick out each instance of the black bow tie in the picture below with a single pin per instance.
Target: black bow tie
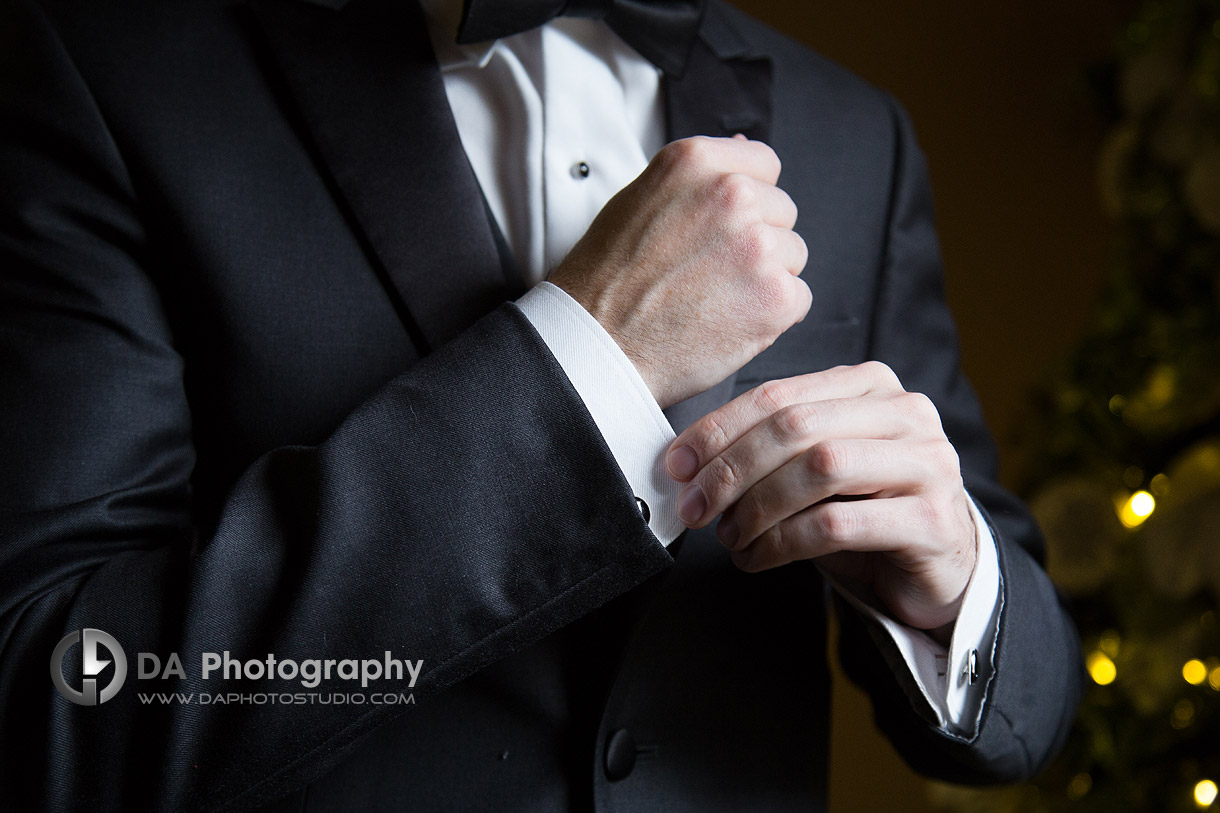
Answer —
(663, 31)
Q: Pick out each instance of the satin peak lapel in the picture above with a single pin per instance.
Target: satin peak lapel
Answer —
(725, 90)
(366, 82)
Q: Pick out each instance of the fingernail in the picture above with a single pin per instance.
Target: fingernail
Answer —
(728, 533)
(682, 463)
(692, 504)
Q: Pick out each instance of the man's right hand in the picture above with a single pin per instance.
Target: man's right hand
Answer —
(693, 268)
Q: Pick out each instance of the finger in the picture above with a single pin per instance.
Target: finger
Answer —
(921, 580)
(793, 252)
(757, 159)
(776, 206)
(784, 435)
(730, 155)
(802, 300)
(880, 469)
(709, 436)
(838, 526)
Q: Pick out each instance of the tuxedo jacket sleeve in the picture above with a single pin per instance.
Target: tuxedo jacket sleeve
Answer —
(259, 395)
(456, 513)
(902, 319)
(855, 170)
(1035, 659)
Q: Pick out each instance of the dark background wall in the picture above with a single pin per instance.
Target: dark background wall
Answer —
(997, 95)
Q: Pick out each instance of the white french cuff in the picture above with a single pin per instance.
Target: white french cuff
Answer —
(953, 682)
(621, 404)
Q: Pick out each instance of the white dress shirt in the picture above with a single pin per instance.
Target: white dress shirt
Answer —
(555, 121)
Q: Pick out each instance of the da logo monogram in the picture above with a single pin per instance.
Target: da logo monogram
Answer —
(91, 666)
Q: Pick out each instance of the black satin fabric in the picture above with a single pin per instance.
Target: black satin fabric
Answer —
(663, 31)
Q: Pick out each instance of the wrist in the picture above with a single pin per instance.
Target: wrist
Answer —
(596, 303)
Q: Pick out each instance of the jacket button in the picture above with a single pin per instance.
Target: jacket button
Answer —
(620, 755)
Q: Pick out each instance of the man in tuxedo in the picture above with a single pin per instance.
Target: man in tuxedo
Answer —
(314, 347)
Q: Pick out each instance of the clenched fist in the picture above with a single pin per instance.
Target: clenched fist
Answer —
(693, 268)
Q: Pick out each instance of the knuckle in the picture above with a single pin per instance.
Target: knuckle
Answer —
(944, 458)
(755, 245)
(933, 511)
(774, 156)
(743, 245)
(803, 301)
(796, 421)
(764, 240)
(685, 149)
(945, 454)
(770, 156)
(668, 157)
(734, 192)
(773, 395)
(681, 154)
(826, 460)
(837, 522)
(880, 374)
(722, 480)
(802, 249)
(920, 407)
(789, 202)
(710, 435)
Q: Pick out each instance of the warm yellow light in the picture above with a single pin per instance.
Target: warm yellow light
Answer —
(1194, 672)
(1205, 793)
(1109, 643)
(1079, 787)
(1138, 507)
(1183, 714)
(1133, 476)
(1213, 678)
(1101, 668)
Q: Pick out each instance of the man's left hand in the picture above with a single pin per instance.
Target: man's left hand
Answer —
(844, 467)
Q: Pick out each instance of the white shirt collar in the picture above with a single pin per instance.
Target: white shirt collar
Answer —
(444, 17)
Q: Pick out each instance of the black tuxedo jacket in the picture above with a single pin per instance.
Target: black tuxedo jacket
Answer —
(262, 393)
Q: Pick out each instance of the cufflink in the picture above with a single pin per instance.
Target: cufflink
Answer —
(971, 669)
(644, 512)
